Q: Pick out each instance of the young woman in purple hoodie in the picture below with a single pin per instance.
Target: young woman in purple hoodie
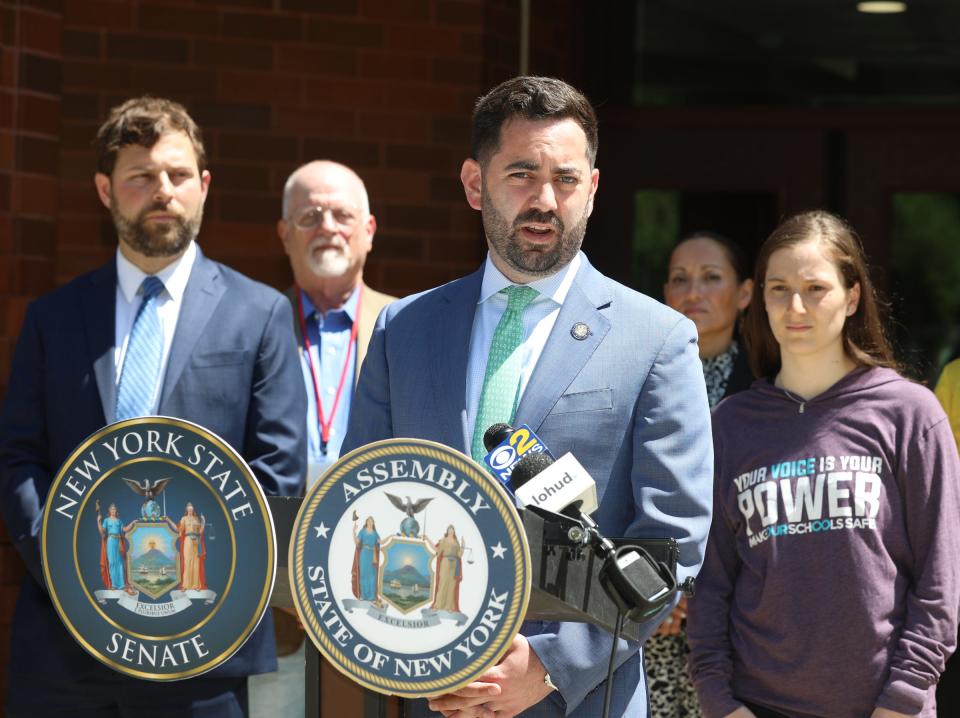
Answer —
(832, 577)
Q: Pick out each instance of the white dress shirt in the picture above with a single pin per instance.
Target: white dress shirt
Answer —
(129, 278)
(538, 320)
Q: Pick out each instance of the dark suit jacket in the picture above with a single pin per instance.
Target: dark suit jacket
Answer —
(233, 369)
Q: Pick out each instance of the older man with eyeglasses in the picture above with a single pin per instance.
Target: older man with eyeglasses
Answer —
(327, 231)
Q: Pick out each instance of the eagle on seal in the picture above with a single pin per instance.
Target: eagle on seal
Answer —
(150, 510)
(409, 526)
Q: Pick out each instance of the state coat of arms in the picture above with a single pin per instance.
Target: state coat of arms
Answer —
(409, 567)
(153, 554)
(143, 527)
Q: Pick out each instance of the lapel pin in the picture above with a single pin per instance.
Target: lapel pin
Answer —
(579, 331)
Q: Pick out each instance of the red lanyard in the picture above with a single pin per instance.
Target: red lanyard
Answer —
(325, 424)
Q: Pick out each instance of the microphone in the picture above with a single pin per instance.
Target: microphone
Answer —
(507, 446)
(638, 584)
(495, 434)
(555, 485)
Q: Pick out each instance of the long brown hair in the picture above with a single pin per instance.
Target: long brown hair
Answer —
(864, 338)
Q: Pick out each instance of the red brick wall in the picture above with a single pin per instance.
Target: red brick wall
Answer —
(274, 84)
(30, 66)
(385, 86)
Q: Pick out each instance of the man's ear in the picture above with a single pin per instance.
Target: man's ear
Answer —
(472, 179)
(371, 230)
(205, 178)
(282, 234)
(594, 185)
(102, 183)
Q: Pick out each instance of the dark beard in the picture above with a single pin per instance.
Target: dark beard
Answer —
(161, 241)
(505, 239)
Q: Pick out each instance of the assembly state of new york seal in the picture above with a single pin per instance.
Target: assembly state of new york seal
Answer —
(409, 568)
(158, 548)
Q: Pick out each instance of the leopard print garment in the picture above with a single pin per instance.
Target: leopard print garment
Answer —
(717, 371)
(670, 690)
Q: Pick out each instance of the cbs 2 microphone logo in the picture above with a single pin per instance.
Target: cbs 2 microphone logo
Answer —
(508, 453)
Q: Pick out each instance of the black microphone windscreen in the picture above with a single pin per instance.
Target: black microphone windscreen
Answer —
(496, 434)
(528, 467)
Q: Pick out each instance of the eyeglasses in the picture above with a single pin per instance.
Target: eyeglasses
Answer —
(312, 217)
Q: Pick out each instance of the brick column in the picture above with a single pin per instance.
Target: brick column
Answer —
(30, 70)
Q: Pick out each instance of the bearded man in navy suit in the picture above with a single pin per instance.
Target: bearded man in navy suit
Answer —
(602, 371)
(228, 362)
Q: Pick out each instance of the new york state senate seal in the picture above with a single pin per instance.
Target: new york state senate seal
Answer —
(159, 550)
(409, 568)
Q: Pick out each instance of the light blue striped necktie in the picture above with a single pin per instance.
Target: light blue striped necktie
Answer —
(141, 365)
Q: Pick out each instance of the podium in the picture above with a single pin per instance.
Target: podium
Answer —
(565, 582)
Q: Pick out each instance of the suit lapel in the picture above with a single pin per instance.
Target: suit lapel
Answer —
(204, 291)
(99, 314)
(369, 311)
(448, 352)
(563, 356)
(291, 294)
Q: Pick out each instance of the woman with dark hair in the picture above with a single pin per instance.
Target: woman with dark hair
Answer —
(707, 281)
(831, 582)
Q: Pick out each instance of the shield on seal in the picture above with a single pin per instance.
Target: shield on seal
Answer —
(407, 575)
(154, 564)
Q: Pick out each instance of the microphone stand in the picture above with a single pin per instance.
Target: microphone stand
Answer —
(639, 585)
(608, 691)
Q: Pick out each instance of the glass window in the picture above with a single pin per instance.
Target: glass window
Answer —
(925, 281)
(800, 53)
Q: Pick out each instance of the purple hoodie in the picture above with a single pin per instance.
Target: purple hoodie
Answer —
(832, 577)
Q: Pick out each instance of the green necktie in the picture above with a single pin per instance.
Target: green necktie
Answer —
(501, 381)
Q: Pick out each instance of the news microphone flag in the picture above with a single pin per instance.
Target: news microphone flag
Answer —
(563, 483)
(520, 442)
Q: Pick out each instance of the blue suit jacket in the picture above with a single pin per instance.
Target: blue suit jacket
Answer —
(629, 402)
(233, 369)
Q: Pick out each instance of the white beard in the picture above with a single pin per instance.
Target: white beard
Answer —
(330, 262)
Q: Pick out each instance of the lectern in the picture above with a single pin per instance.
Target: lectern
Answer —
(566, 587)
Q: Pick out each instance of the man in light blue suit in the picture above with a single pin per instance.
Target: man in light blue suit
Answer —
(223, 357)
(592, 366)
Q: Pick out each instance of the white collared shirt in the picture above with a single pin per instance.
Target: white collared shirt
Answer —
(129, 278)
(538, 320)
